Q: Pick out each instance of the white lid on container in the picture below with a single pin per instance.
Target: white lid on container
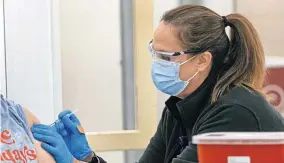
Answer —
(242, 138)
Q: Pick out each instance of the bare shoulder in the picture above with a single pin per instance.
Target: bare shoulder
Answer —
(31, 118)
(43, 156)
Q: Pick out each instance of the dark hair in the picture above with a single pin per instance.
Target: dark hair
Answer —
(239, 61)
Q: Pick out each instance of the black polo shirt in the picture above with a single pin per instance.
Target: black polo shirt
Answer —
(240, 109)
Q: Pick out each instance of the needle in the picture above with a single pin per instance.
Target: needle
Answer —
(67, 114)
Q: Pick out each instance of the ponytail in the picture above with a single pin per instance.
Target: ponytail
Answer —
(245, 59)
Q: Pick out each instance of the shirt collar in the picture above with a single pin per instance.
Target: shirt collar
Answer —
(188, 109)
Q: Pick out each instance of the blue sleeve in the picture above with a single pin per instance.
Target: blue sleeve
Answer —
(19, 110)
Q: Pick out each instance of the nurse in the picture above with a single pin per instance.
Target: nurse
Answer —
(215, 85)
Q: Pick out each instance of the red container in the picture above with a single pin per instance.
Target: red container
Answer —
(240, 147)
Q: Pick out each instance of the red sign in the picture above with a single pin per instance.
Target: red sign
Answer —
(275, 87)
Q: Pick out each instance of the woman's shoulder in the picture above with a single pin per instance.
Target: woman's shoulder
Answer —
(246, 107)
(244, 96)
(246, 99)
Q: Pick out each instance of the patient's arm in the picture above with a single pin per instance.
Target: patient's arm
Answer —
(42, 155)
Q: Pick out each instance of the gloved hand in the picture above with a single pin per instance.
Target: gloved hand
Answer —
(75, 140)
(52, 142)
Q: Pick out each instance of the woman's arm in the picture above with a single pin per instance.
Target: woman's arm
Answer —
(42, 155)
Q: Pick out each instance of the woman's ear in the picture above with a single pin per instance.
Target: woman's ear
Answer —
(204, 61)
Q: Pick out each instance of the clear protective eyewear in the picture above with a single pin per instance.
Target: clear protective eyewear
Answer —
(168, 56)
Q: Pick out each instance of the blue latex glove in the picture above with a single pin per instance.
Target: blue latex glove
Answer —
(76, 142)
(52, 142)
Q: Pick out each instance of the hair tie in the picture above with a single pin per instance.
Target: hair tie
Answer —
(225, 21)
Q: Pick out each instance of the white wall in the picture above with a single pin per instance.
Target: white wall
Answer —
(91, 54)
(268, 19)
(29, 56)
(91, 69)
(222, 7)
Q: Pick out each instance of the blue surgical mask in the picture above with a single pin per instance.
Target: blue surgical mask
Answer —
(165, 75)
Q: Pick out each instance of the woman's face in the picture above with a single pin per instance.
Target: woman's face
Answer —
(165, 40)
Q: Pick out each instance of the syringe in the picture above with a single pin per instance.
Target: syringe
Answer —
(65, 115)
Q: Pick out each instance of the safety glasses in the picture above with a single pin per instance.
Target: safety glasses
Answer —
(168, 56)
